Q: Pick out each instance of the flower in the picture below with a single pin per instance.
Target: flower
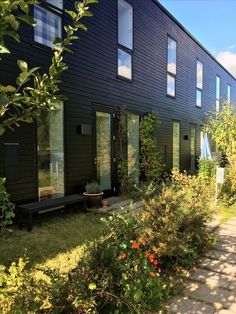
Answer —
(155, 262)
(152, 274)
(122, 255)
(142, 241)
(135, 246)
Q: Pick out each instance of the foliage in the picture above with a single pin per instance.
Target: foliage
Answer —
(207, 170)
(222, 128)
(150, 161)
(35, 92)
(12, 13)
(137, 263)
(93, 188)
(6, 208)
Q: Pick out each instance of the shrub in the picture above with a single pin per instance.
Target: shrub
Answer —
(6, 208)
(93, 188)
(207, 170)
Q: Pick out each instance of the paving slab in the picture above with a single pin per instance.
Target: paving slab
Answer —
(227, 239)
(213, 279)
(222, 256)
(227, 247)
(184, 305)
(218, 266)
(219, 298)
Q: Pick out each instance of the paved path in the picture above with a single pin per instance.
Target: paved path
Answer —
(212, 287)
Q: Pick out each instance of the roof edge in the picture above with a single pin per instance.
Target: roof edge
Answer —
(191, 36)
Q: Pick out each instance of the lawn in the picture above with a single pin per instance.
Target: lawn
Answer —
(57, 242)
(227, 212)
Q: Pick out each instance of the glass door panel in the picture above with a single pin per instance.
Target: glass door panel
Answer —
(103, 143)
(176, 139)
(193, 148)
(133, 146)
(51, 154)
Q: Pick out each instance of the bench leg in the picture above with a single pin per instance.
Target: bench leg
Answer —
(29, 222)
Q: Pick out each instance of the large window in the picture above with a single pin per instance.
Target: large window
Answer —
(49, 23)
(171, 67)
(51, 154)
(199, 84)
(125, 39)
(228, 93)
(176, 148)
(217, 93)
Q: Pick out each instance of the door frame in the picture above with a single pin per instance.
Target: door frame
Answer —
(113, 162)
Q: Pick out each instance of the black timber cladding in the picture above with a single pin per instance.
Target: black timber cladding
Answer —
(91, 79)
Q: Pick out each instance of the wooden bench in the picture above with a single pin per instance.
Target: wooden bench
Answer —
(25, 212)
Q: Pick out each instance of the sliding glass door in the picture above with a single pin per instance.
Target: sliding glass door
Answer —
(51, 154)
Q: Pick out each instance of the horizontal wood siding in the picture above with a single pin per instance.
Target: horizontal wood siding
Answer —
(91, 79)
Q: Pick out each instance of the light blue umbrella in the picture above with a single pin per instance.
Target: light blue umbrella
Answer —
(205, 148)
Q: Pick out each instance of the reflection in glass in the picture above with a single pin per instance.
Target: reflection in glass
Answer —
(124, 64)
(133, 146)
(103, 125)
(125, 24)
(199, 75)
(56, 3)
(51, 154)
(199, 98)
(48, 26)
(171, 66)
(176, 139)
(170, 85)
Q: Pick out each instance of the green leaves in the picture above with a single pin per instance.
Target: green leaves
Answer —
(22, 65)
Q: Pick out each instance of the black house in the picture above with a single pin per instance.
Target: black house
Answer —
(135, 54)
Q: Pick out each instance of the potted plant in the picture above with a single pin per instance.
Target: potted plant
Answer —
(94, 194)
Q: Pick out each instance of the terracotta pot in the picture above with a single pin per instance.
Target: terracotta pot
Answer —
(94, 200)
(105, 204)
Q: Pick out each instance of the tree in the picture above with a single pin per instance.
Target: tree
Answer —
(34, 92)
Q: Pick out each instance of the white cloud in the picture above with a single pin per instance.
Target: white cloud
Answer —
(124, 71)
(231, 47)
(228, 60)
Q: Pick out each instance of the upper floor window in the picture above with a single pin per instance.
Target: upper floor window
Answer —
(125, 39)
(228, 93)
(217, 93)
(49, 22)
(171, 67)
(199, 84)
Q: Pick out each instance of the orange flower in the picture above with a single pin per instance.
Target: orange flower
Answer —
(152, 274)
(155, 262)
(122, 255)
(143, 242)
(135, 246)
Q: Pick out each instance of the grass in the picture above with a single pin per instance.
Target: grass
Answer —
(57, 242)
(227, 212)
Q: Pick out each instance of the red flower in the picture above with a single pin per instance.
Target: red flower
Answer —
(122, 255)
(155, 262)
(152, 274)
(135, 246)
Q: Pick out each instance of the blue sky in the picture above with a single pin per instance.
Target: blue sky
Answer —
(212, 22)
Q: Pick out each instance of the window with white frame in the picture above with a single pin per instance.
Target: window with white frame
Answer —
(171, 67)
(48, 16)
(217, 93)
(125, 39)
(228, 93)
(199, 84)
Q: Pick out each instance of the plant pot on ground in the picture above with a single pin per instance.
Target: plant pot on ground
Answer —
(94, 194)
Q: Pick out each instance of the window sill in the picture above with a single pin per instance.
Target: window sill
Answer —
(170, 96)
(41, 46)
(125, 79)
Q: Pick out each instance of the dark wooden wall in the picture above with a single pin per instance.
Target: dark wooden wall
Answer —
(91, 79)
